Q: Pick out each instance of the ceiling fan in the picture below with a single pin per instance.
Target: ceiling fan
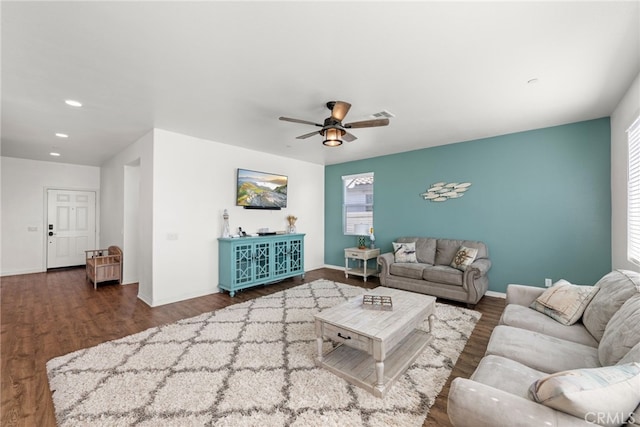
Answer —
(333, 130)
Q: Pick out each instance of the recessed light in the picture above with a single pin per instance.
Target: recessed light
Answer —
(73, 103)
(62, 135)
(54, 154)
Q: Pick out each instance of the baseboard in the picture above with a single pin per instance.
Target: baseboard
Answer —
(20, 272)
(496, 294)
(145, 299)
(182, 297)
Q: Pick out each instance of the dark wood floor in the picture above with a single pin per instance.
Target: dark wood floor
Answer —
(46, 315)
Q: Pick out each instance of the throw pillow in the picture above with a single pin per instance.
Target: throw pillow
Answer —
(565, 302)
(622, 333)
(634, 419)
(404, 252)
(604, 396)
(464, 257)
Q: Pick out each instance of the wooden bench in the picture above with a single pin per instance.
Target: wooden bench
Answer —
(104, 265)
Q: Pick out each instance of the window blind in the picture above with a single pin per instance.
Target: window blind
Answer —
(357, 205)
(633, 193)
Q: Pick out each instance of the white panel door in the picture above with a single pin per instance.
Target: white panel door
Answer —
(71, 226)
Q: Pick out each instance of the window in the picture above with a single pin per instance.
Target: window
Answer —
(633, 193)
(357, 201)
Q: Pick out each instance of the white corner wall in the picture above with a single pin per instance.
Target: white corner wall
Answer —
(137, 262)
(185, 185)
(625, 113)
(23, 185)
(194, 180)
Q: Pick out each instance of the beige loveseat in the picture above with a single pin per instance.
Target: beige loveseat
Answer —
(432, 273)
(528, 346)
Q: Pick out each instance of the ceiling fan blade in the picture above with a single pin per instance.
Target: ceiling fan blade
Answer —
(349, 137)
(340, 110)
(304, 122)
(307, 135)
(367, 123)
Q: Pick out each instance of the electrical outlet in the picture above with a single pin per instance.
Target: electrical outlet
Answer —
(547, 283)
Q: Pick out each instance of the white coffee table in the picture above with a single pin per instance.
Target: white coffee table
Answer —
(375, 346)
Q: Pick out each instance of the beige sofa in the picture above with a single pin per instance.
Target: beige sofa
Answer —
(529, 345)
(432, 273)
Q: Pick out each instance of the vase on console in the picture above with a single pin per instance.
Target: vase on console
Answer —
(225, 225)
(291, 228)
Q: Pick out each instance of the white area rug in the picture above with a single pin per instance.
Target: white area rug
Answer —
(250, 364)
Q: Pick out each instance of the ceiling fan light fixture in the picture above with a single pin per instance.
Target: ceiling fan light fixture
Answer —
(332, 142)
(333, 131)
(332, 137)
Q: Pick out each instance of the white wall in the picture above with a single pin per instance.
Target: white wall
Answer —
(137, 261)
(194, 181)
(24, 184)
(185, 185)
(625, 113)
(131, 223)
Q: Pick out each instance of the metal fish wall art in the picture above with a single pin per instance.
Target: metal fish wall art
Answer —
(442, 191)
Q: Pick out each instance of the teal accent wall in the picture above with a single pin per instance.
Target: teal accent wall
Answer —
(540, 200)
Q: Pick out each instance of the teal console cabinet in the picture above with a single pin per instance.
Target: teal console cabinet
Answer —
(251, 261)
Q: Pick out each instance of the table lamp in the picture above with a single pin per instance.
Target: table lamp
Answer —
(361, 230)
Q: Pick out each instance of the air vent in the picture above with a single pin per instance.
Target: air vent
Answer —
(383, 114)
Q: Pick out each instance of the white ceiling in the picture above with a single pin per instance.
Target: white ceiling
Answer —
(225, 72)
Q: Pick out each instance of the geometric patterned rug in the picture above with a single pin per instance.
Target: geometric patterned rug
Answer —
(249, 364)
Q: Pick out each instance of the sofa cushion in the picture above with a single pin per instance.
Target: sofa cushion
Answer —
(523, 317)
(622, 332)
(541, 352)
(473, 404)
(615, 288)
(443, 274)
(611, 392)
(483, 252)
(445, 251)
(404, 252)
(506, 375)
(463, 258)
(425, 248)
(564, 302)
(632, 355)
(407, 269)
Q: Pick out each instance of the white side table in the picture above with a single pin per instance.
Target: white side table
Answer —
(361, 256)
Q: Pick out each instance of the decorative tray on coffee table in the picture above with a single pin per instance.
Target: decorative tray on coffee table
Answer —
(377, 302)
